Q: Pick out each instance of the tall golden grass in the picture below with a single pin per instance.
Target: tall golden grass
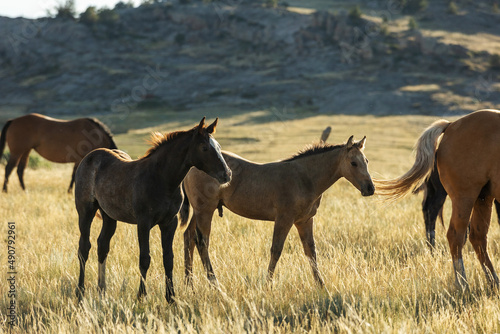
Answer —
(380, 275)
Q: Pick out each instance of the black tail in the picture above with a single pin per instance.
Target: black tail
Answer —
(184, 211)
(3, 137)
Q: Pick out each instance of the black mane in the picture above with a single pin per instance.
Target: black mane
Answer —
(313, 150)
(106, 130)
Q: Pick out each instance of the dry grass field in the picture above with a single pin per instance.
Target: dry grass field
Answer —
(380, 275)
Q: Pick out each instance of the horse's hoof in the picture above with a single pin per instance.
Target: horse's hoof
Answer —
(80, 292)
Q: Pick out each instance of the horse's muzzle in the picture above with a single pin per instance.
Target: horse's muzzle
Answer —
(368, 190)
(224, 177)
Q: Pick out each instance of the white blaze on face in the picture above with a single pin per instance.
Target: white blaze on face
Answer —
(216, 146)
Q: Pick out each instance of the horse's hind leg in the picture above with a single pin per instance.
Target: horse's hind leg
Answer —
(167, 237)
(306, 236)
(281, 228)
(85, 217)
(107, 232)
(20, 168)
(73, 177)
(480, 223)
(189, 244)
(432, 205)
(13, 161)
(202, 241)
(461, 211)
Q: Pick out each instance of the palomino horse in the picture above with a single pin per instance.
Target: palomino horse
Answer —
(432, 205)
(145, 192)
(468, 154)
(287, 192)
(55, 140)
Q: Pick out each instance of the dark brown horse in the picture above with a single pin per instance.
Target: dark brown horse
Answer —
(467, 154)
(54, 139)
(287, 192)
(145, 192)
(432, 205)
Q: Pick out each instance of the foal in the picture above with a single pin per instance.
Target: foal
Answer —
(287, 192)
(145, 192)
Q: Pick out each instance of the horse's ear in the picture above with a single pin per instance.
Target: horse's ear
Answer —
(361, 143)
(350, 142)
(211, 127)
(202, 124)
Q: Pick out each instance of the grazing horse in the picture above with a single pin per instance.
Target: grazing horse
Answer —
(467, 154)
(54, 139)
(287, 192)
(145, 192)
(432, 205)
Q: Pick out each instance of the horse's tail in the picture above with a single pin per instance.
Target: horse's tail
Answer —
(106, 131)
(424, 162)
(184, 211)
(3, 137)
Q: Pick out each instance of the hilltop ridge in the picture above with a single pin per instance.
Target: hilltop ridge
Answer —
(245, 55)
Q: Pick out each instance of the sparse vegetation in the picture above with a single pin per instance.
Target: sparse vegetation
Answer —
(66, 10)
(108, 16)
(452, 8)
(412, 24)
(355, 13)
(411, 6)
(89, 16)
(495, 61)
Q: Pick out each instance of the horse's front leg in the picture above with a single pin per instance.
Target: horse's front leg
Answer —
(143, 230)
(282, 226)
(306, 236)
(167, 236)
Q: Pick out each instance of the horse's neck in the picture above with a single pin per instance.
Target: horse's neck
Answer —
(170, 161)
(322, 169)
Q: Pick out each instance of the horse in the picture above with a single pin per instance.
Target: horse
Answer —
(467, 153)
(432, 205)
(287, 192)
(145, 192)
(54, 139)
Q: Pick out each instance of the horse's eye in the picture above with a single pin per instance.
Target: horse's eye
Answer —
(204, 148)
(354, 164)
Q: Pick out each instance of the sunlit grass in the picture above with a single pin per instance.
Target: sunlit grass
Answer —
(380, 275)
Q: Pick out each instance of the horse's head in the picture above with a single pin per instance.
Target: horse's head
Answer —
(206, 154)
(354, 167)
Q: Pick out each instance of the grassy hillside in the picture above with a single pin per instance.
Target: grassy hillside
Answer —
(379, 273)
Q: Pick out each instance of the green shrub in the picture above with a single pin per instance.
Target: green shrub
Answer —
(108, 16)
(452, 8)
(495, 61)
(66, 10)
(355, 13)
(412, 24)
(123, 5)
(89, 16)
(271, 3)
(411, 6)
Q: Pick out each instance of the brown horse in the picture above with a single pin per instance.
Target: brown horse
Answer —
(468, 156)
(55, 140)
(432, 205)
(287, 192)
(145, 192)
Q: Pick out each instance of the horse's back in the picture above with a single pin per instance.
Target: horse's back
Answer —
(56, 140)
(469, 153)
(103, 175)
